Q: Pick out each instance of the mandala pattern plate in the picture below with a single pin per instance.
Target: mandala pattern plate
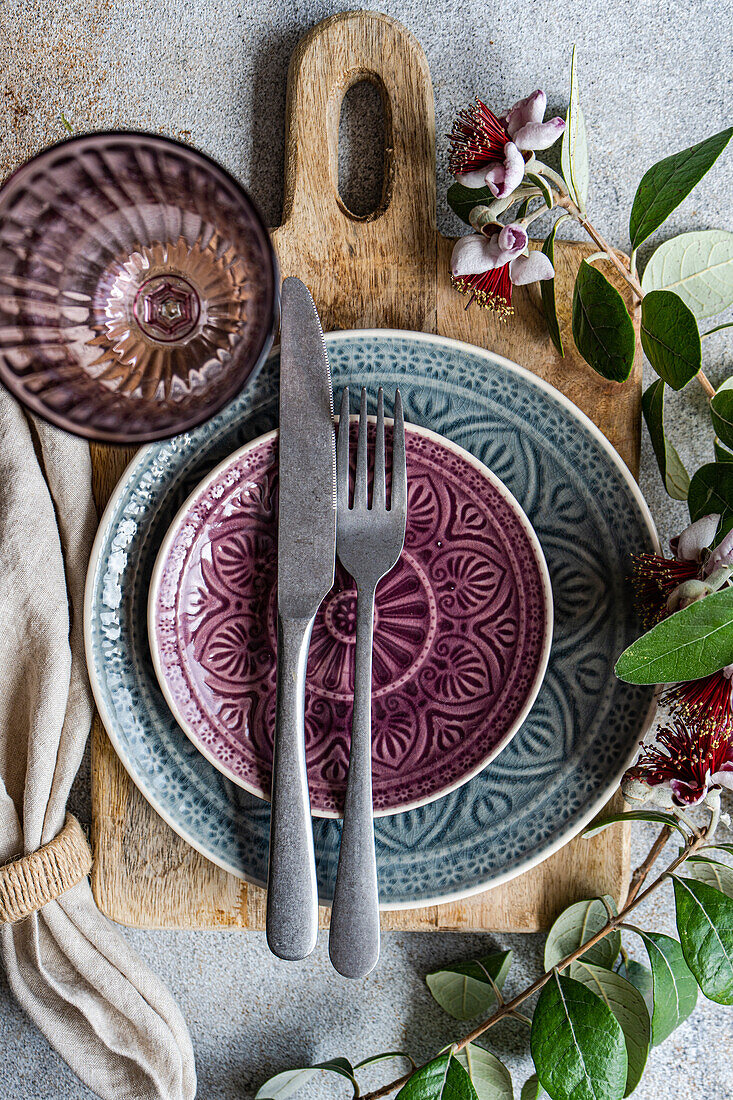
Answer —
(556, 772)
(462, 630)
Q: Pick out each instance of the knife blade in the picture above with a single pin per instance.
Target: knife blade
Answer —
(305, 573)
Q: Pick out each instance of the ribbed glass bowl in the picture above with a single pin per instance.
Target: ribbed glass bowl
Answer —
(138, 286)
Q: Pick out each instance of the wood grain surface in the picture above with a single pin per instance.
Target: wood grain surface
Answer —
(390, 270)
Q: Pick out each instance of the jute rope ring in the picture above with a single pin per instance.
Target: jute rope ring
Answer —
(29, 883)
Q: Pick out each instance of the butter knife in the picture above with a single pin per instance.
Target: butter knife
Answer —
(305, 573)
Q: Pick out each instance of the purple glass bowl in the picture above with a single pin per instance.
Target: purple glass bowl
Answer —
(138, 286)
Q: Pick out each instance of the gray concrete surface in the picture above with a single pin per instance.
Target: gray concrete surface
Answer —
(655, 77)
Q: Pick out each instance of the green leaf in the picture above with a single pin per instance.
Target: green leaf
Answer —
(698, 266)
(285, 1084)
(602, 328)
(341, 1066)
(574, 150)
(711, 490)
(575, 926)
(655, 816)
(463, 199)
(547, 291)
(670, 337)
(489, 1077)
(523, 209)
(718, 328)
(674, 987)
(705, 925)
(464, 989)
(641, 977)
(721, 847)
(383, 1057)
(577, 1044)
(715, 874)
(670, 181)
(721, 414)
(722, 454)
(532, 1089)
(442, 1079)
(688, 645)
(543, 186)
(628, 1006)
(674, 475)
(725, 524)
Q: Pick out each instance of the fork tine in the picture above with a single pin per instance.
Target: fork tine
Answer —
(399, 465)
(379, 490)
(361, 476)
(342, 454)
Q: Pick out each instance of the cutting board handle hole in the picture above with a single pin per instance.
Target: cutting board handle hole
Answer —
(363, 153)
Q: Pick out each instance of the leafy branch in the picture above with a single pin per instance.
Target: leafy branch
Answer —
(508, 1008)
(580, 986)
(687, 279)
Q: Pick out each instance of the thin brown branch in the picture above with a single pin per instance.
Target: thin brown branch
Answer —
(385, 1090)
(706, 384)
(508, 1008)
(641, 872)
(603, 244)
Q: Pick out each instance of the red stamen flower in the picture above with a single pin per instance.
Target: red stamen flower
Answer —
(486, 265)
(689, 758)
(708, 698)
(491, 289)
(655, 578)
(477, 139)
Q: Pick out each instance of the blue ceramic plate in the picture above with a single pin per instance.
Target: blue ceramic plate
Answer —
(585, 725)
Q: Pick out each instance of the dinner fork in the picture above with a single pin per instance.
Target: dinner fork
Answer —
(369, 541)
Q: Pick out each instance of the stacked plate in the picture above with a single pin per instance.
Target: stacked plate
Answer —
(496, 735)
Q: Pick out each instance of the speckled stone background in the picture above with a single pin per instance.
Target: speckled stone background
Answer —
(655, 77)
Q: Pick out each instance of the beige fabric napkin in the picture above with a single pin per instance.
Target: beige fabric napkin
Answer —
(105, 1012)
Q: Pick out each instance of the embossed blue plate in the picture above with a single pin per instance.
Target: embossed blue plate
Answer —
(585, 725)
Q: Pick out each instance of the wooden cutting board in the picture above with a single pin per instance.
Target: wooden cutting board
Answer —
(387, 270)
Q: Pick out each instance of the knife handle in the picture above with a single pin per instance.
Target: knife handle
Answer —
(292, 895)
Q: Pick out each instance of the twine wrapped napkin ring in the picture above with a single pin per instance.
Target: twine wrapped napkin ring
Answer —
(29, 883)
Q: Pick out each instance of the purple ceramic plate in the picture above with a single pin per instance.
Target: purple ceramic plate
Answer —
(463, 627)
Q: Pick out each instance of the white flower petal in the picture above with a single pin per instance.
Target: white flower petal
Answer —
(724, 778)
(688, 546)
(539, 135)
(471, 255)
(513, 240)
(531, 109)
(503, 179)
(721, 555)
(531, 268)
(475, 178)
(685, 792)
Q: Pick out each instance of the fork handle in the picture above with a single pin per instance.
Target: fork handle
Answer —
(354, 937)
(292, 894)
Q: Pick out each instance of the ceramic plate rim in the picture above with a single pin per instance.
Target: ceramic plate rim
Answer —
(342, 336)
(534, 687)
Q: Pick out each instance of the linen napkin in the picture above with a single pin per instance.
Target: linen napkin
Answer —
(103, 1010)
